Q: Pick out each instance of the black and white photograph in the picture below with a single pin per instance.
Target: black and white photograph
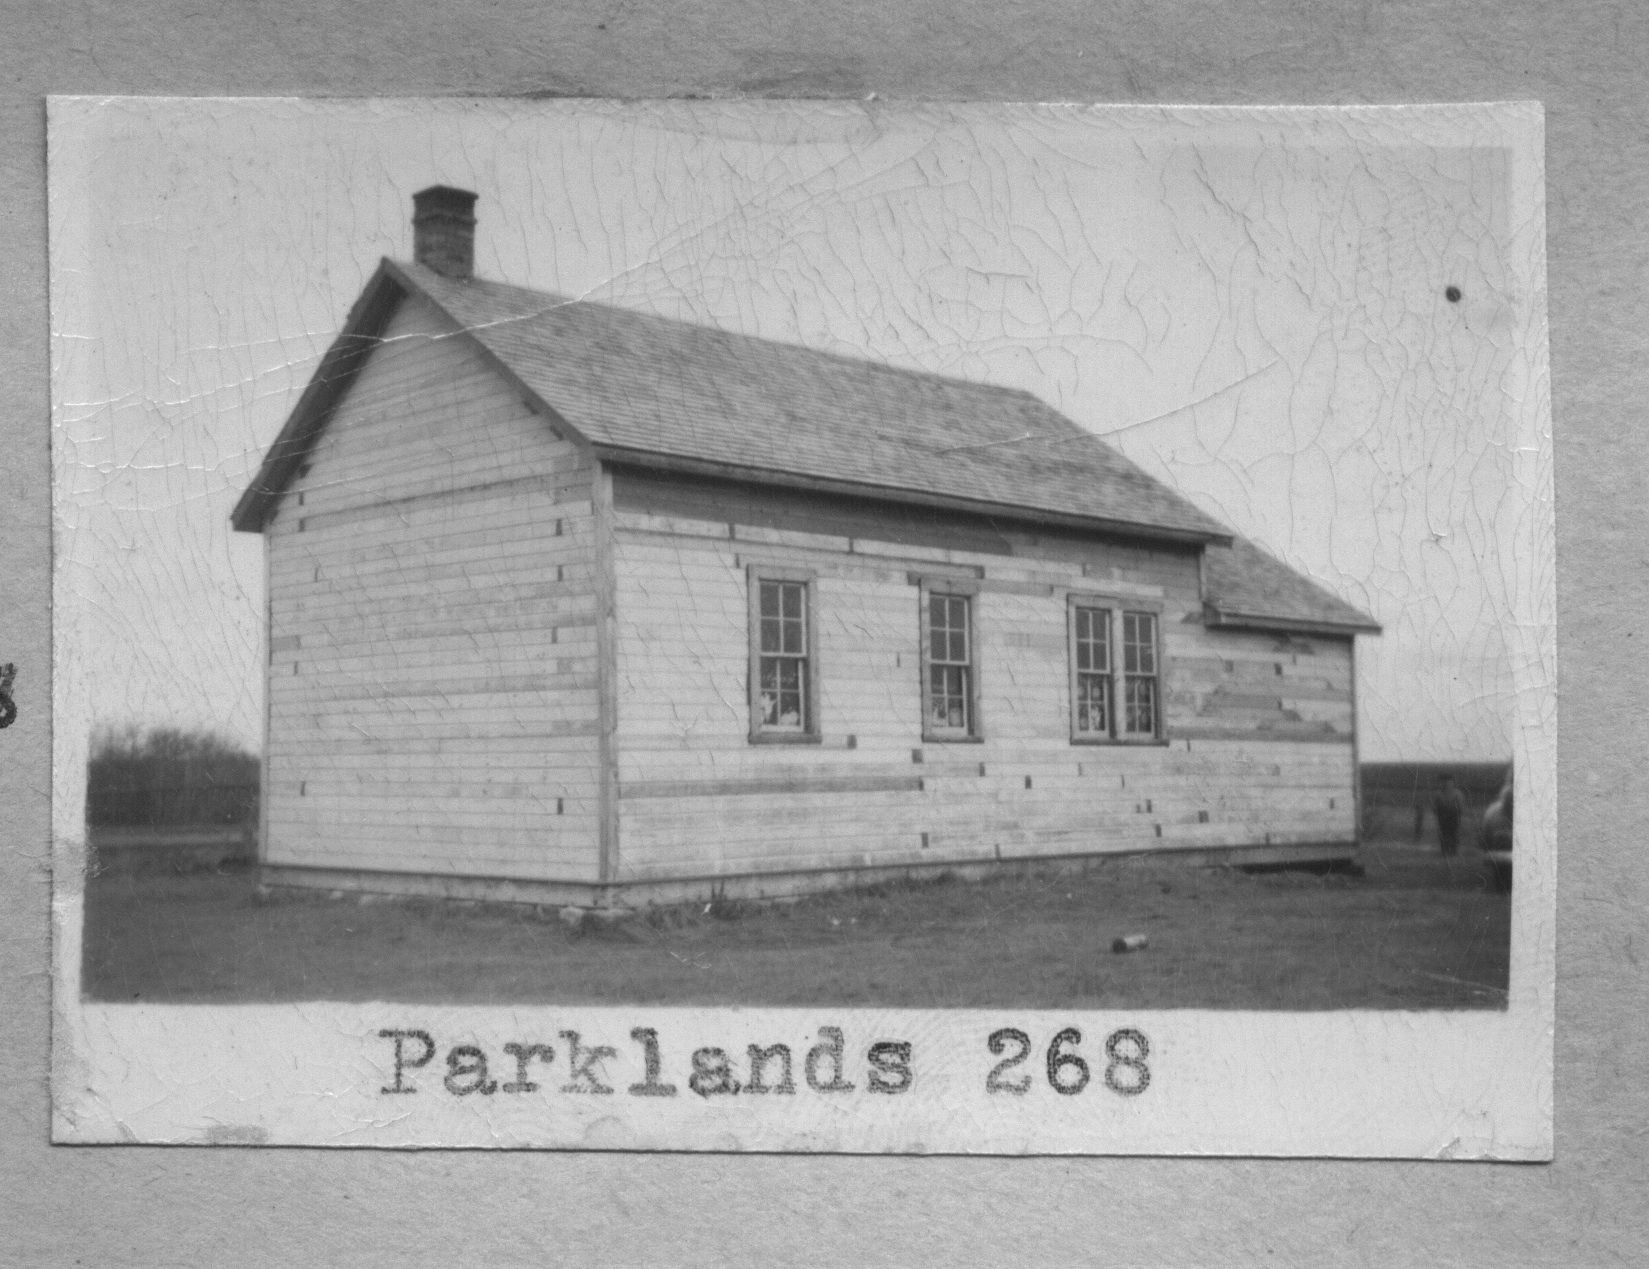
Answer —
(804, 626)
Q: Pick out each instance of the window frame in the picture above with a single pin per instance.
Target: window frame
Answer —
(968, 592)
(760, 733)
(1116, 607)
(1081, 603)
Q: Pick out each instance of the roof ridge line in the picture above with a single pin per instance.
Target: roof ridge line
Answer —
(564, 301)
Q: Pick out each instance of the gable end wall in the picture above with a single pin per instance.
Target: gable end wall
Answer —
(432, 666)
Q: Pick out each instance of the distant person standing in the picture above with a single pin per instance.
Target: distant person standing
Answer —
(1448, 806)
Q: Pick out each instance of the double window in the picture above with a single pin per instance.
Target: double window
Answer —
(1116, 676)
(783, 658)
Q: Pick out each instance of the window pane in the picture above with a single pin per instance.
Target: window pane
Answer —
(795, 637)
(1093, 639)
(1140, 707)
(792, 601)
(770, 599)
(948, 700)
(948, 629)
(790, 693)
(1093, 704)
(783, 693)
(1147, 643)
(1139, 643)
(768, 697)
(938, 629)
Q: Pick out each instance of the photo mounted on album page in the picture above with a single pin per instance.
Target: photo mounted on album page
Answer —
(802, 626)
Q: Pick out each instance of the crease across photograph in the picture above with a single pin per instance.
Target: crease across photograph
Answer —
(802, 626)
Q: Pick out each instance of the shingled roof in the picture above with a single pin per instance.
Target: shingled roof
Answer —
(1243, 587)
(650, 390)
(635, 388)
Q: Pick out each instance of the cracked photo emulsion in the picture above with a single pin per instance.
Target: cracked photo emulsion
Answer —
(802, 626)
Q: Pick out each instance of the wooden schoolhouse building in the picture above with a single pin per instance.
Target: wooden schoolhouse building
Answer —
(573, 604)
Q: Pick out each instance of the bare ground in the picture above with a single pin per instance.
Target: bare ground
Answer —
(1416, 931)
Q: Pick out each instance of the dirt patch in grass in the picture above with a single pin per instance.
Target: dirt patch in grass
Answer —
(1414, 932)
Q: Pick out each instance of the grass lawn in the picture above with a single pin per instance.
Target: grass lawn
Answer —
(1415, 932)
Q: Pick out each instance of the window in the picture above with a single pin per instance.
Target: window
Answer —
(948, 685)
(1091, 639)
(783, 658)
(1139, 675)
(1116, 656)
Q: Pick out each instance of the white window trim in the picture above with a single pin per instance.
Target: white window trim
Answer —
(967, 589)
(810, 733)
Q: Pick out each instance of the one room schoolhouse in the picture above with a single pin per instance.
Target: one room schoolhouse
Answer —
(573, 604)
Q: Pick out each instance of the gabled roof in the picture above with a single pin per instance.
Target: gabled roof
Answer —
(1243, 587)
(656, 392)
(650, 391)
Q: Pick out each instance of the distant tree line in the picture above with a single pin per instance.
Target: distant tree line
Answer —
(167, 777)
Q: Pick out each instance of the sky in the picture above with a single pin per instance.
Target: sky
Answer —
(1252, 305)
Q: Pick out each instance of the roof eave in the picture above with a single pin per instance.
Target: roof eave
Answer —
(1219, 618)
(368, 317)
(659, 461)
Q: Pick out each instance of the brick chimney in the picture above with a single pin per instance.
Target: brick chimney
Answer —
(443, 230)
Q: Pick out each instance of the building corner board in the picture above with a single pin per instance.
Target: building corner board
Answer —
(601, 501)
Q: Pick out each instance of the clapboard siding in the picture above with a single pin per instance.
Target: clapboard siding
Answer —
(1258, 725)
(484, 661)
(478, 545)
(433, 666)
